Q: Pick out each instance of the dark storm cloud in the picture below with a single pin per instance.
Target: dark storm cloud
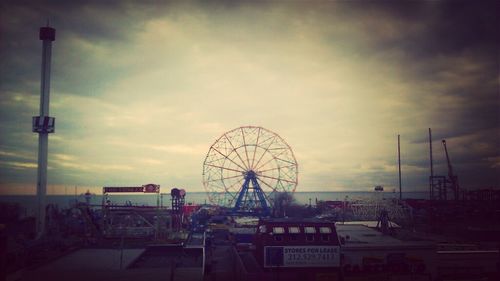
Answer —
(448, 27)
(455, 52)
(97, 23)
(462, 25)
(101, 22)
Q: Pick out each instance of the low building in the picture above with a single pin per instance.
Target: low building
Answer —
(367, 251)
(160, 262)
(298, 249)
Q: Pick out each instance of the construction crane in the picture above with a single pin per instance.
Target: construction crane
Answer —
(453, 179)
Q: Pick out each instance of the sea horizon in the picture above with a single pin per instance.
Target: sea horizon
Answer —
(29, 202)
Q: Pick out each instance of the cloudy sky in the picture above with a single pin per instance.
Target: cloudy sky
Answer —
(141, 91)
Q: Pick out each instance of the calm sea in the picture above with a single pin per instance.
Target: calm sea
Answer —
(28, 202)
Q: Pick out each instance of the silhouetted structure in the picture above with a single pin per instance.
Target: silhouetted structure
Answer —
(43, 125)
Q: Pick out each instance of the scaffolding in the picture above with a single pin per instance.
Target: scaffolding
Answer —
(129, 221)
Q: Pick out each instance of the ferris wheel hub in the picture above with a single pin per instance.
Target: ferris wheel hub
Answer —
(250, 174)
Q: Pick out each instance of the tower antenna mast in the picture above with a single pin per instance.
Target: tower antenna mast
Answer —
(43, 125)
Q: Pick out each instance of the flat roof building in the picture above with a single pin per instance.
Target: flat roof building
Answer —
(302, 249)
(162, 262)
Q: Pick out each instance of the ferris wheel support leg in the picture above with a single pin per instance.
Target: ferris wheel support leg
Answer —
(239, 200)
(262, 198)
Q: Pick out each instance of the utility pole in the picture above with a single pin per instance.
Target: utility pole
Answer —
(43, 125)
(399, 168)
(431, 191)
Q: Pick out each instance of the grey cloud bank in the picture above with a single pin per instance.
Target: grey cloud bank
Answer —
(140, 91)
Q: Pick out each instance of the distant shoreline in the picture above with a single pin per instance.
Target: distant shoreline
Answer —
(198, 192)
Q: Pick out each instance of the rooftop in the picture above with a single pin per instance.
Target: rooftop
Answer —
(363, 237)
(294, 220)
(153, 263)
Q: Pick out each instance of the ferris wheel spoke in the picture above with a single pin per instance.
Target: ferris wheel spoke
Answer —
(278, 179)
(265, 193)
(277, 168)
(255, 149)
(285, 160)
(239, 182)
(232, 177)
(246, 150)
(274, 158)
(225, 156)
(224, 178)
(225, 168)
(239, 156)
(232, 195)
(271, 137)
(264, 153)
(258, 145)
(286, 176)
(264, 182)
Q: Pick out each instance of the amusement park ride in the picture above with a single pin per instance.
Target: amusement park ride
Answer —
(246, 168)
(129, 220)
(178, 196)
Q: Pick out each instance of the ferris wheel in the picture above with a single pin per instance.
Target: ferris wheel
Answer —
(246, 167)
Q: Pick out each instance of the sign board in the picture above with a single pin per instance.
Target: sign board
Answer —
(151, 188)
(302, 256)
(123, 189)
(148, 188)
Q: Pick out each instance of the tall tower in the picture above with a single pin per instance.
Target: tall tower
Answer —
(43, 125)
